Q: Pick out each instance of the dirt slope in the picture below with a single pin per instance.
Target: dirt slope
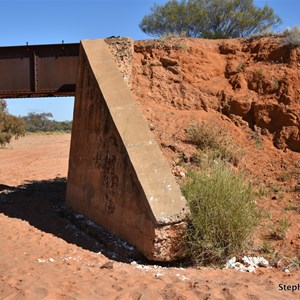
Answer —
(251, 87)
(254, 81)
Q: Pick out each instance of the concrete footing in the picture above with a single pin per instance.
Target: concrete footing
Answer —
(118, 176)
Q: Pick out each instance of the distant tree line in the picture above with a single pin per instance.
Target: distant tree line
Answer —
(42, 123)
(12, 126)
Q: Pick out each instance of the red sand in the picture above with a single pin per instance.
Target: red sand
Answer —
(42, 257)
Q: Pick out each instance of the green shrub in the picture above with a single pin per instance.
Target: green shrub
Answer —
(281, 229)
(292, 36)
(223, 213)
(213, 19)
(10, 126)
(214, 141)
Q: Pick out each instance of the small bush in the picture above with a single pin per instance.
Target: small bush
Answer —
(292, 36)
(223, 213)
(294, 264)
(169, 42)
(281, 229)
(214, 141)
(9, 125)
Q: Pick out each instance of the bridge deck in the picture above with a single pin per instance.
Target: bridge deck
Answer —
(38, 70)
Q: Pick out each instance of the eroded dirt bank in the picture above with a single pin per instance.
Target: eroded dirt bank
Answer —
(249, 87)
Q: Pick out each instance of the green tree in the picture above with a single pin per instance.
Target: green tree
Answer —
(37, 122)
(9, 125)
(42, 122)
(209, 19)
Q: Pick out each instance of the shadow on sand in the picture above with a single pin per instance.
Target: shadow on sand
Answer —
(42, 204)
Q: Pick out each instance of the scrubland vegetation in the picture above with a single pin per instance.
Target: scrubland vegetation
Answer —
(221, 200)
(12, 126)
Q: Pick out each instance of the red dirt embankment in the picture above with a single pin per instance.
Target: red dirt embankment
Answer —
(254, 82)
(251, 87)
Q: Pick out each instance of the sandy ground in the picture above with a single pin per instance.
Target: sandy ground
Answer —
(43, 256)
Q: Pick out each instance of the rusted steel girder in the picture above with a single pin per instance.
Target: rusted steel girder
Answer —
(38, 70)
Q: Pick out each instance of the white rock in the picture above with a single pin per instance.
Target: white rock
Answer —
(263, 263)
(249, 263)
(251, 269)
(230, 262)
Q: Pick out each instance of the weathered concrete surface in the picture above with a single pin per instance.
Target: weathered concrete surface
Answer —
(122, 50)
(117, 174)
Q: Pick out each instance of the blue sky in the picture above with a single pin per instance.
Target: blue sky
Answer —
(50, 22)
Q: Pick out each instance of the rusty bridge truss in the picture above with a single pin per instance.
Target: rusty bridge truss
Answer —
(38, 71)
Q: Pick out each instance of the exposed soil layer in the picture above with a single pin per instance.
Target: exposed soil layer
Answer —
(254, 82)
(248, 87)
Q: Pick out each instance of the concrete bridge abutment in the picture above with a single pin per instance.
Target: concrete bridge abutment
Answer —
(118, 176)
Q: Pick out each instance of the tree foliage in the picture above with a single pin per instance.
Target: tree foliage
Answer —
(209, 19)
(9, 125)
(42, 122)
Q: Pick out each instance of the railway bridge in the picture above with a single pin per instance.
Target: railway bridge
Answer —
(117, 174)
